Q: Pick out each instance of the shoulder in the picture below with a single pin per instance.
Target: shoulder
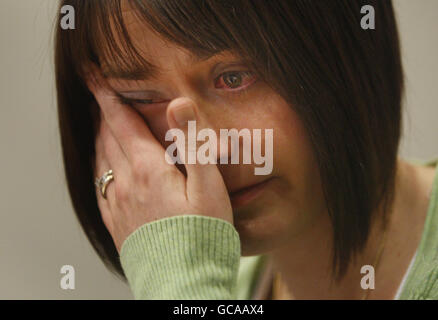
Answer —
(425, 286)
(422, 282)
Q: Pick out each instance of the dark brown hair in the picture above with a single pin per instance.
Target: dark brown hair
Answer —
(345, 84)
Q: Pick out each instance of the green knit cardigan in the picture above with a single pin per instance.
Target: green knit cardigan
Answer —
(193, 257)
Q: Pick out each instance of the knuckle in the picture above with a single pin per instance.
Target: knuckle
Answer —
(120, 192)
(139, 169)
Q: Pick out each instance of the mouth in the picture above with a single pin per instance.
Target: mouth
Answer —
(246, 195)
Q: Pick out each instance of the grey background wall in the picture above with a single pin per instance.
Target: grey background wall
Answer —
(38, 230)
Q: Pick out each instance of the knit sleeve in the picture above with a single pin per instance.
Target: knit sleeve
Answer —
(187, 257)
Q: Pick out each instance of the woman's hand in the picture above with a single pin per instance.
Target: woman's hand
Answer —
(145, 186)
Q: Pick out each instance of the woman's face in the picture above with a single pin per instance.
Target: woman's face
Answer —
(291, 199)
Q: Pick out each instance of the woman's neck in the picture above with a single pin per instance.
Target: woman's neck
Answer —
(304, 262)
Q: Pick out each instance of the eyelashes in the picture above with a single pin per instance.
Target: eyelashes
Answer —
(241, 75)
(131, 102)
(230, 82)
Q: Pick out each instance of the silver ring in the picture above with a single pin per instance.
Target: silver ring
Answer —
(103, 181)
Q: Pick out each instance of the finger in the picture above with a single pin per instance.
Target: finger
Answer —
(113, 151)
(200, 177)
(127, 126)
(101, 166)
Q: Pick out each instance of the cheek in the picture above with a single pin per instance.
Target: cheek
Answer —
(294, 152)
(295, 163)
(267, 110)
(294, 149)
(293, 155)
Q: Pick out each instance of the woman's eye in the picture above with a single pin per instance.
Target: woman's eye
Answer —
(134, 101)
(234, 80)
(142, 101)
(230, 81)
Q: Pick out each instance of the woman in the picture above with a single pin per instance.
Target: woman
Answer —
(338, 199)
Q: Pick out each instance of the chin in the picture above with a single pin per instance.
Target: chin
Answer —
(263, 232)
(268, 221)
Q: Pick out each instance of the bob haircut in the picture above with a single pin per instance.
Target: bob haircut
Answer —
(345, 83)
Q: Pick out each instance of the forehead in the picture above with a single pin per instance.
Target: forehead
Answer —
(147, 41)
(133, 50)
(127, 46)
(152, 52)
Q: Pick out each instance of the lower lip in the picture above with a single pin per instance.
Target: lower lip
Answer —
(244, 197)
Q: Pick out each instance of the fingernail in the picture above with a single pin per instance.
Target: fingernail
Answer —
(184, 113)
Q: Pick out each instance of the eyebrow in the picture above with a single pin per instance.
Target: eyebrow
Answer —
(148, 70)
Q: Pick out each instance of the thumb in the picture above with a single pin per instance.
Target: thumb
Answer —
(203, 175)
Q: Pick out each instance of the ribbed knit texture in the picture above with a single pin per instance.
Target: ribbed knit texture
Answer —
(182, 257)
(197, 257)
